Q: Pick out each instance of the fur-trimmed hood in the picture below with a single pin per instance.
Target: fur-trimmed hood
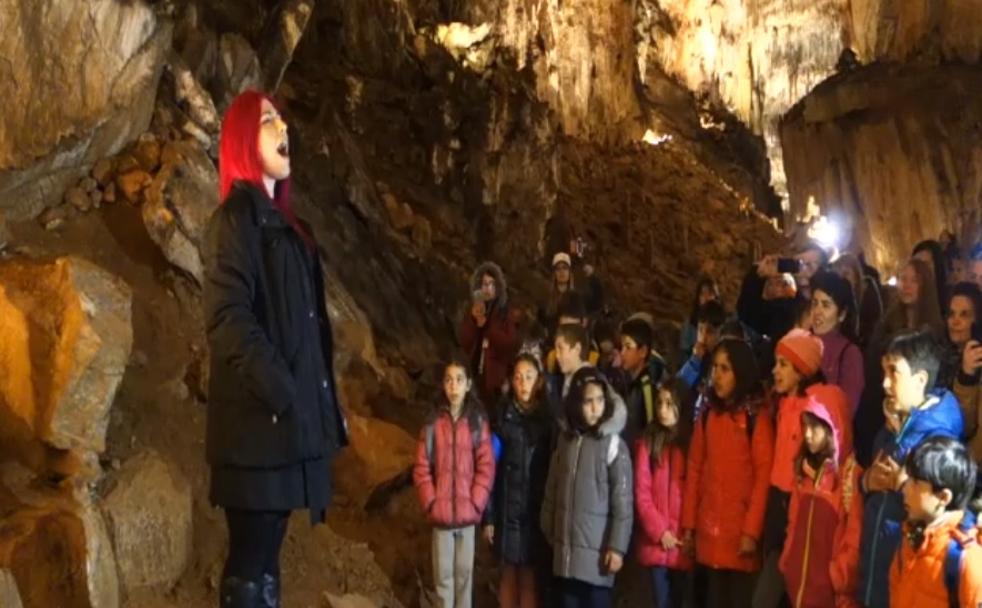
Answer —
(501, 285)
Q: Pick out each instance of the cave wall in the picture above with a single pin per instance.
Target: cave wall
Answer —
(893, 153)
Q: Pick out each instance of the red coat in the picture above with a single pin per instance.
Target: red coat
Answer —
(490, 349)
(820, 561)
(787, 440)
(728, 475)
(658, 505)
(454, 489)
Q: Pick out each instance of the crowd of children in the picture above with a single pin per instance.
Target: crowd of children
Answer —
(807, 452)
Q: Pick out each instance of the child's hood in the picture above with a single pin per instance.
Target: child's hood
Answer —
(618, 418)
(941, 416)
(830, 416)
(501, 285)
(836, 405)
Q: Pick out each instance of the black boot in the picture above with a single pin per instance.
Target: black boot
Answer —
(270, 591)
(238, 593)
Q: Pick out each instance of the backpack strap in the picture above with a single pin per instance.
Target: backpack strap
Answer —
(952, 567)
(649, 401)
(953, 558)
(428, 432)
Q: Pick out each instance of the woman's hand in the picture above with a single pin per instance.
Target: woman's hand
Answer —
(477, 311)
(972, 357)
(613, 561)
(489, 534)
(748, 545)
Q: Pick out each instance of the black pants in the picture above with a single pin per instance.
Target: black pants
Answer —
(254, 541)
(729, 588)
(578, 594)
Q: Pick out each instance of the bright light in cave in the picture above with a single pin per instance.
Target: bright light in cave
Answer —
(825, 232)
(654, 139)
(892, 281)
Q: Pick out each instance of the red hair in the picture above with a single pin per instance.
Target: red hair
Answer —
(238, 155)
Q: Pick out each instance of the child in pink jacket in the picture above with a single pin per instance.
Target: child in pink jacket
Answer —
(659, 482)
(454, 474)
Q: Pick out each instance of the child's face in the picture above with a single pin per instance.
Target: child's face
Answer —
(523, 381)
(666, 409)
(562, 273)
(815, 434)
(455, 385)
(786, 377)
(922, 502)
(905, 388)
(724, 380)
(568, 357)
(632, 356)
(707, 334)
(489, 287)
(593, 404)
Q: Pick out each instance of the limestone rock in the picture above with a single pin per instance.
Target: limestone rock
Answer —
(238, 69)
(58, 551)
(4, 233)
(54, 217)
(108, 57)
(147, 152)
(109, 195)
(377, 453)
(350, 600)
(78, 198)
(192, 93)
(67, 338)
(290, 21)
(179, 204)
(132, 184)
(9, 595)
(880, 152)
(148, 512)
(102, 172)
(400, 214)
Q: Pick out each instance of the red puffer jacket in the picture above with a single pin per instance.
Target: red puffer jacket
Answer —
(726, 485)
(787, 441)
(658, 505)
(820, 561)
(454, 481)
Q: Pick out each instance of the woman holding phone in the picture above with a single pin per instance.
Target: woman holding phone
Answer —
(488, 332)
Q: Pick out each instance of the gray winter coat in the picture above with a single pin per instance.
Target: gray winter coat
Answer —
(588, 506)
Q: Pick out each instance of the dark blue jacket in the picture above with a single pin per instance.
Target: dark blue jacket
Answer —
(883, 512)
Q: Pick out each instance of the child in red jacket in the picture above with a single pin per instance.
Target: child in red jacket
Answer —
(729, 466)
(659, 480)
(820, 561)
(453, 474)
(798, 380)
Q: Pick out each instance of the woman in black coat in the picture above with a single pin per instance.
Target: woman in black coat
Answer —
(274, 421)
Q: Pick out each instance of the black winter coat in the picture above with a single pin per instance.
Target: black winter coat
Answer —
(273, 415)
(520, 482)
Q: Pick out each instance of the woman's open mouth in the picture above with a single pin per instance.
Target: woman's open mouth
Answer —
(283, 149)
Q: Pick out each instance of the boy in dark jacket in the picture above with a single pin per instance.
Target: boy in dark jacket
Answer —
(644, 373)
(913, 413)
